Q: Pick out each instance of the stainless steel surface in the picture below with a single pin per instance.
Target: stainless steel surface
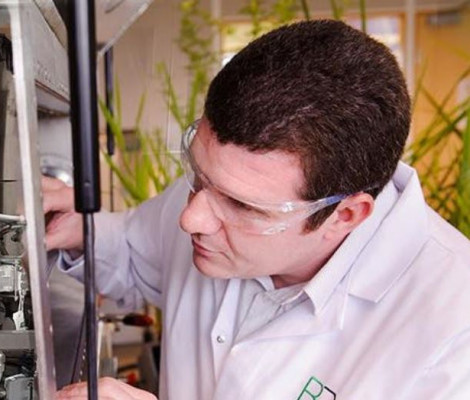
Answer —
(53, 18)
(14, 340)
(67, 316)
(19, 387)
(57, 167)
(27, 25)
(50, 104)
(48, 54)
(2, 364)
(10, 172)
(11, 218)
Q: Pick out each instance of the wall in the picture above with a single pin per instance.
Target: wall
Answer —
(443, 53)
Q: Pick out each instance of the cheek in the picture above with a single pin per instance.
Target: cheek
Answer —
(258, 249)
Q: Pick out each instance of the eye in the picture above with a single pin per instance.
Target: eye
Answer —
(240, 205)
(247, 208)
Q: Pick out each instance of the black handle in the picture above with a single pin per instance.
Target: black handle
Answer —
(82, 69)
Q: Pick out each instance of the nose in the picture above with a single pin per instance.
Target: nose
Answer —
(198, 216)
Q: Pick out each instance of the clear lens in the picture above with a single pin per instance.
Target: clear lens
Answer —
(254, 218)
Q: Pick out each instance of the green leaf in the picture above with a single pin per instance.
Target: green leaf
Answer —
(117, 97)
(140, 109)
(440, 111)
(127, 183)
(116, 131)
(463, 182)
(284, 11)
(172, 98)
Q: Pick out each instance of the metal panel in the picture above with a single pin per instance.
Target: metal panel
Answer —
(50, 56)
(26, 22)
(16, 340)
(54, 19)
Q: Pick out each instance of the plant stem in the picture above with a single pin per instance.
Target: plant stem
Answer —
(305, 9)
(362, 10)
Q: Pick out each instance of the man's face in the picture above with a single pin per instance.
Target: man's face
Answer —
(225, 251)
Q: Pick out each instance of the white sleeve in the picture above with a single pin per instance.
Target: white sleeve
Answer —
(129, 257)
(448, 377)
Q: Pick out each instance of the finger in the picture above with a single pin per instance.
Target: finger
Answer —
(79, 391)
(108, 389)
(49, 183)
(134, 393)
(57, 220)
(122, 391)
(74, 391)
(64, 232)
(54, 241)
(58, 200)
(68, 396)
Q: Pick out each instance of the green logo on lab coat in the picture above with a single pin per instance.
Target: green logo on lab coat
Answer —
(315, 390)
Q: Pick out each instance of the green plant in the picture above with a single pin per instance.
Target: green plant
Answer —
(196, 42)
(281, 12)
(151, 170)
(441, 153)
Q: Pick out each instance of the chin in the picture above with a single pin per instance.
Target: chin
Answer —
(212, 268)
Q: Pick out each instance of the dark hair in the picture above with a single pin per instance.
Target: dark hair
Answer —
(321, 90)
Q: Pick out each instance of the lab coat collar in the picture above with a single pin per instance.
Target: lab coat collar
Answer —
(397, 241)
(395, 232)
(377, 252)
(321, 287)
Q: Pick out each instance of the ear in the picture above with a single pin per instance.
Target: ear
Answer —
(349, 214)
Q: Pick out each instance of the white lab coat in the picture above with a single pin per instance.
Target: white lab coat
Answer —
(394, 325)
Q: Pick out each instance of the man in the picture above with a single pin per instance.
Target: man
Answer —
(304, 262)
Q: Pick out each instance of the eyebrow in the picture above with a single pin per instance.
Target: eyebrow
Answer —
(258, 205)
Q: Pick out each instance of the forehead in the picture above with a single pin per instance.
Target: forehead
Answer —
(274, 176)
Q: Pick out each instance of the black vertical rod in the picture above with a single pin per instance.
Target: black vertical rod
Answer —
(109, 83)
(82, 63)
(82, 70)
(90, 308)
(109, 89)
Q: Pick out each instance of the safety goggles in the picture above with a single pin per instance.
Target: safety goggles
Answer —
(249, 216)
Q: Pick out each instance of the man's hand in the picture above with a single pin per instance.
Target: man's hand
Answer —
(64, 228)
(108, 389)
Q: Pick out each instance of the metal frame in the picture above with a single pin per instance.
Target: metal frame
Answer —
(37, 56)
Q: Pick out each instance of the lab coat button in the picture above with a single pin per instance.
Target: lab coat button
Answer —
(220, 339)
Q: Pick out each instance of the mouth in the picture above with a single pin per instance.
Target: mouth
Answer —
(201, 249)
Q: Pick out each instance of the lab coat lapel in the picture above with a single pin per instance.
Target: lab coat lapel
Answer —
(397, 242)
